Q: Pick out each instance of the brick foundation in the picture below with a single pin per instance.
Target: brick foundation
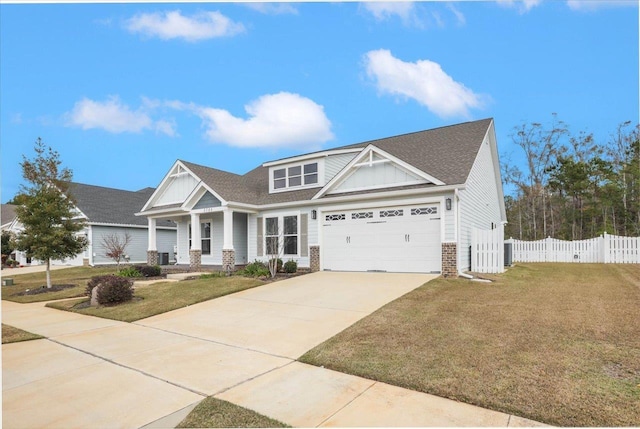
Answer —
(85, 262)
(152, 257)
(195, 259)
(449, 260)
(228, 260)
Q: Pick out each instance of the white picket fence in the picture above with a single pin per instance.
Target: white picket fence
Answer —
(487, 250)
(604, 249)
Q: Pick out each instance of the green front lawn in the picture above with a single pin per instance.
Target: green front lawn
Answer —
(11, 334)
(162, 297)
(216, 413)
(556, 343)
(78, 276)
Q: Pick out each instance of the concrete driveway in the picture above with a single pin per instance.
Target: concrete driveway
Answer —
(288, 318)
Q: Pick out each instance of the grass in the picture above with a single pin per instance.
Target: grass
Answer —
(162, 297)
(556, 343)
(74, 275)
(216, 413)
(11, 334)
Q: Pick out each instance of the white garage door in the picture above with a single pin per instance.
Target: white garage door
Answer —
(395, 239)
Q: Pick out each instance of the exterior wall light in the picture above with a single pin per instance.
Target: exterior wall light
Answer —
(448, 203)
(314, 214)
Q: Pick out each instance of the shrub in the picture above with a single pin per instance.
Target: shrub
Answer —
(112, 289)
(290, 266)
(149, 270)
(94, 282)
(279, 266)
(129, 272)
(256, 269)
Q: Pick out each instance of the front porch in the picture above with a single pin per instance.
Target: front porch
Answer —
(219, 242)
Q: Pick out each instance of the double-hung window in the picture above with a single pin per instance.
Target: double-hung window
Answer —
(281, 237)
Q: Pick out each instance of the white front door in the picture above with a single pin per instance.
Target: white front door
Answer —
(396, 239)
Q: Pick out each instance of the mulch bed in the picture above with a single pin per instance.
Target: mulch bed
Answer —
(45, 289)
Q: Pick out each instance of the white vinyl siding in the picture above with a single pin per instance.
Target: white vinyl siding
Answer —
(479, 201)
(335, 163)
(240, 237)
(183, 240)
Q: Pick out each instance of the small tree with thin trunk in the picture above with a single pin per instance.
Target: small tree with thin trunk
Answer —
(115, 246)
(48, 215)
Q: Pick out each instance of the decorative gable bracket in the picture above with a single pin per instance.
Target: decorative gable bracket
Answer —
(375, 168)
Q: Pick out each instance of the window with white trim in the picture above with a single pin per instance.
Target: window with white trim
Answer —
(205, 237)
(283, 228)
(295, 176)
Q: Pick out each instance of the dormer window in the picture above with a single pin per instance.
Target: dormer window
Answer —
(295, 176)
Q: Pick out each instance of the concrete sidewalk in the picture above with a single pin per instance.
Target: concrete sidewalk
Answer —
(94, 372)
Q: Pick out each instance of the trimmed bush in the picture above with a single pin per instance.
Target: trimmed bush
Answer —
(149, 270)
(279, 266)
(129, 272)
(95, 281)
(256, 269)
(290, 266)
(112, 289)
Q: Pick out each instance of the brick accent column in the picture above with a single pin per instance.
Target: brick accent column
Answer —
(449, 260)
(152, 257)
(314, 258)
(195, 259)
(85, 262)
(228, 260)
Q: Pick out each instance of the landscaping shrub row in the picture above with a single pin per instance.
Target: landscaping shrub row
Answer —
(261, 269)
(141, 271)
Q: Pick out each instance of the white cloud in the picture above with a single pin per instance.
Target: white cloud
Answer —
(274, 120)
(522, 5)
(405, 10)
(460, 18)
(115, 117)
(273, 8)
(590, 5)
(423, 81)
(174, 25)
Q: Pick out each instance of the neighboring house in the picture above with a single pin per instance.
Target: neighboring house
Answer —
(7, 215)
(405, 204)
(110, 211)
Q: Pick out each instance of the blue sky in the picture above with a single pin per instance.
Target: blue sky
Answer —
(123, 90)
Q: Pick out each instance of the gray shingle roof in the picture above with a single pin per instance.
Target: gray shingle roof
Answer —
(108, 205)
(446, 153)
(7, 213)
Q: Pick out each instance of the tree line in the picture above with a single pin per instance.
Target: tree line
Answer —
(571, 185)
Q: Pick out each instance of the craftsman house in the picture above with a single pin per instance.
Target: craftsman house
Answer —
(401, 204)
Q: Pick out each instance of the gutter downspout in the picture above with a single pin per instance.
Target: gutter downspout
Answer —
(457, 214)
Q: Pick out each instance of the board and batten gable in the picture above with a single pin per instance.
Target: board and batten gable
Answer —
(479, 204)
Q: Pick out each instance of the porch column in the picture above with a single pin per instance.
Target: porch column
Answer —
(228, 252)
(195, 252)
(152, 249)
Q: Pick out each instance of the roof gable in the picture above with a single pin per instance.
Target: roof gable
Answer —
(374, 168)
